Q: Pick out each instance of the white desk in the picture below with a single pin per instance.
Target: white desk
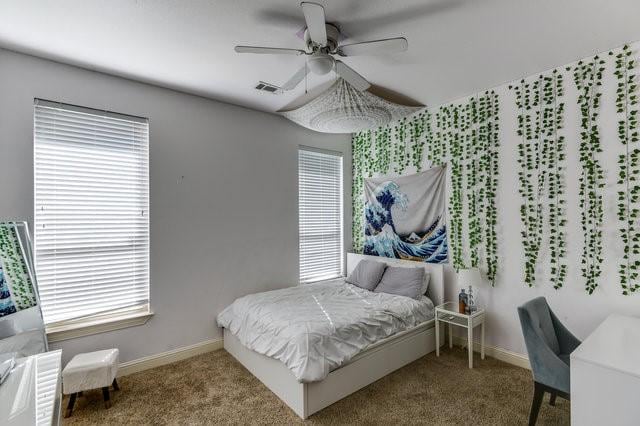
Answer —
(605, 375)
(31, 394)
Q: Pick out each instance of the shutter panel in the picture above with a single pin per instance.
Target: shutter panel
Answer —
(320, 215)
(91, 210)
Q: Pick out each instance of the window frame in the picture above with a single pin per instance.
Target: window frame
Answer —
(341, 229)
(116, 318)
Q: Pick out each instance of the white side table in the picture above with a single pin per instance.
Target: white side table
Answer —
(448, 313)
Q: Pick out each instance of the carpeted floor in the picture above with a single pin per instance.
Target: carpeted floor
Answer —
(214, 388)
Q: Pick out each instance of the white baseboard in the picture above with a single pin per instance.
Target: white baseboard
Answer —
(501, 354)
(185, 352)
(168, 357)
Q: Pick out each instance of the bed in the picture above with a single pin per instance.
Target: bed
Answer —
(310, 382)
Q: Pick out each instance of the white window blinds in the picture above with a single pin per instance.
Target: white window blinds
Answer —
(91, 210)
(320, 214)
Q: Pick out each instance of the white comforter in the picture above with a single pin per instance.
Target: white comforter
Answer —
(315, 328)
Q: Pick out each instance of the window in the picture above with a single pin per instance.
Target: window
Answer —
(320, 214)
(91, 212)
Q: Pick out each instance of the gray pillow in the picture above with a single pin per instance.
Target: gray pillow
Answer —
(367, 274)
(407, 282)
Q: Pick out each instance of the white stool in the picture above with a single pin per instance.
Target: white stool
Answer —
(90, 371)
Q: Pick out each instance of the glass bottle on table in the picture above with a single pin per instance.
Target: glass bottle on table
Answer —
(471, 303)
(462, 302)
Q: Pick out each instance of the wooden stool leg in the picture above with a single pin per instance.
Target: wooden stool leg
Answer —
(105, 395)
(72, 401)
(115, 385)
(79, 393)
(552, 400)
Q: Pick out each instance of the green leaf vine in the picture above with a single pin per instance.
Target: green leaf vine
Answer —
(488, 117)
(555, 152)
(469, 131)
(587, 76)
(362, 167)
(382, 158)
(390, 149)
(528, 161)
(466, 137)
(541, 160)
(628, 167)
(473, 179)
(400, 157)
(419, 126)
(456, 159)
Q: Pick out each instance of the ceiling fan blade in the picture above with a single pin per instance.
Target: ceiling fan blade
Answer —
(296, 79)
(314, 16)
(351, 77)
(268, 50)
(375, 47)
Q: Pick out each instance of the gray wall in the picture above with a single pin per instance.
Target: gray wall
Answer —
(229, 228)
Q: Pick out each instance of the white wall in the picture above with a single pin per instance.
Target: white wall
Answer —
(227, 229)
(580, 311)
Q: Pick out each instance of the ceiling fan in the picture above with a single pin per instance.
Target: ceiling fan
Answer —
(321, 39)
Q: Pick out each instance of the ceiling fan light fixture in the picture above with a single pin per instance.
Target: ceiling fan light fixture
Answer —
(344, 109)
(320, 63)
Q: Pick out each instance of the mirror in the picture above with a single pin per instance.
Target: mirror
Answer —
(22, 327)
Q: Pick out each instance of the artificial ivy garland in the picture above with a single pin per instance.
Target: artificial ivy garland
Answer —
(456, 226)
(488, 110)
(362, 167)
(541, 157)
(374, 153)
(465, 136)
(529, 163)
(419, 126)
(587, 76)
(469, 133)
(628, 168)
(554, 147)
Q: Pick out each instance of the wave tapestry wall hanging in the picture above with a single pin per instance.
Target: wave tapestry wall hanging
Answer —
(405, 217)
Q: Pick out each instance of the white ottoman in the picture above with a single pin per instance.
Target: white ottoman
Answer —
(90, 371)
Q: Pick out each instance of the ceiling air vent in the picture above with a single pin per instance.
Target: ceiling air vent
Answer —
(268, 87)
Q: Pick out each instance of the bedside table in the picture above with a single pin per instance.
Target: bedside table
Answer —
(448, 313)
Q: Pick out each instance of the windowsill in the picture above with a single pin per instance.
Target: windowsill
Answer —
(87, 327)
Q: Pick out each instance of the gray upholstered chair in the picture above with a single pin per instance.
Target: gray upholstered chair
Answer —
(549, 345)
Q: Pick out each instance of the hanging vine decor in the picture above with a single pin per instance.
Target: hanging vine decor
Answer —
(400, 159)
(488, 131)
(465, 136)
(541, 157)
(528, 161)
(391, 149)
(554, 149)
(456, 157)
(382, 157)
(587, 76)
(474, 178)
(469, 131)
(418, 127)
(629, 168)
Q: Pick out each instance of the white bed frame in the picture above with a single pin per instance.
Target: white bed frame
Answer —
(370, 365)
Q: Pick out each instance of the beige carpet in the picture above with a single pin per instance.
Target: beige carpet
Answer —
(214, 388)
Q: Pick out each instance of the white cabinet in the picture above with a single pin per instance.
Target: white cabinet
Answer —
(31, 395)
(605, 375)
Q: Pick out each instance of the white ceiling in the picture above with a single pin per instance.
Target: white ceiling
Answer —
(456, 47)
